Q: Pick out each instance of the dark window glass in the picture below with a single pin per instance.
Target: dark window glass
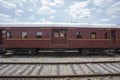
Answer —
(78, 34)
(93, 35)
(39, 34)
(9, 35)
(107, 35)
(113, 33)
(24, 35)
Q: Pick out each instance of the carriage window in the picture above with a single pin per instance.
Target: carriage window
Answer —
(62, 33)
(107, 35)
(9, 35)
(56, 34)
(39, 35)
(93, 35)
(24, 35)
(59, 33)
(79, 35)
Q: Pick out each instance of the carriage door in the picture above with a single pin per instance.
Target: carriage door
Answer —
(0, 37)
(113, 37)
(59, 36)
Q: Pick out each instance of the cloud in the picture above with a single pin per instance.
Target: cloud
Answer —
(114, 9)
(30, 9)
(18, 12)
(6, 18)
(105, 20)
(52, 17)
(114, 16)
(79, 10)
(45, 21)
(55, 3)
(99, 10)
(19, 2)
(102, 3)
(32, 17)
(46, 10)
(6, 4)
(47, 4)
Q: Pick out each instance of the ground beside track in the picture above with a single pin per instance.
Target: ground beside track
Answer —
(59, 57)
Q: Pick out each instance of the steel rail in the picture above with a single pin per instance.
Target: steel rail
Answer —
(52, 63)
(63, 76)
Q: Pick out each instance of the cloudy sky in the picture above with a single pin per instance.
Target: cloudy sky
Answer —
(60, 11)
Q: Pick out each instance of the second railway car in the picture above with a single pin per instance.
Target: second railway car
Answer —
(32, 37)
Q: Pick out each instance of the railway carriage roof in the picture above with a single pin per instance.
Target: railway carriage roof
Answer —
(79, 25)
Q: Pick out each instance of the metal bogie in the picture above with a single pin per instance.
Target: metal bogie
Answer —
(93, 51)
(110, 51)
(22, 51)
(118, 50)
(3, 50)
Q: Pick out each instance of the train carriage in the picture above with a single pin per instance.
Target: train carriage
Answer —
(32, 37)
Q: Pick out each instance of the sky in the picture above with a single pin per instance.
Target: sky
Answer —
(60, 11)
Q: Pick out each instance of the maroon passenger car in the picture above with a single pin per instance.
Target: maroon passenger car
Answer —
(31, 37)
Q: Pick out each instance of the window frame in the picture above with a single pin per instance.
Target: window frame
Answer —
(24, 35)
(39, 34)
(8, 34)
(93, 35)
(59, 33)
(79, 34)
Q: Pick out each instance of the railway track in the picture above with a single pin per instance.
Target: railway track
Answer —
(58, 70)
